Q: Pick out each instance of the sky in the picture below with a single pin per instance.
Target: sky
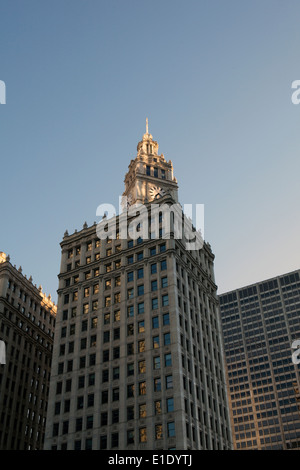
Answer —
(214, 79)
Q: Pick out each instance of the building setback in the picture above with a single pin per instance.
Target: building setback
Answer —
(137, 358)
(260, 323)
(27, 321)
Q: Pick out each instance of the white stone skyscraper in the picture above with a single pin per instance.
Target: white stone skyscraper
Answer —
(138, 355)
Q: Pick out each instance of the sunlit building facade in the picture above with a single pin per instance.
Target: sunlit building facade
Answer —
(260, 322)
(138, 358)
(27, 322)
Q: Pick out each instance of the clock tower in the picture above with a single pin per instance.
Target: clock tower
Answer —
(149, 177)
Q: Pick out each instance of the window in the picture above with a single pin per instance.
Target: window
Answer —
(130, 293)
(130, 348)
(130, 413)
(103, 442)
(114, 439)
(167, 339)
(140, 256)
(155, 342)
(163, 174)
(156, 363)
(141, 308)
(105, 375)
(106, 318)
(106, 355)
(130, 391)
(104, 418)
(164, 282)
(141, 326)
(130, 276)
(152, 251)
(141, 346)
(155, 322)
(108, 301)
(171, 429)
(142, 367)
(89, 422)
(117, 315)
(170, 404)
(108, 284)
(130, 244)
(130, 436)
(158, 431)
(104, 396)
(157, 384)
(157, 407)
(142, 388)
(106, 336)
(130, 369)
(79, 403)
(140, 290)
(115, 394)
(148, 170)
(130, 311)
(166, 319)
(143, 434)
(117, 281)
(169, 381)
(82, 362)
(86, 291)
(163, 265)
(108, 268)
(79, 423)
(95, 305)
(165, 300)
(108, 252)
(117, 298)
(88, 260)
(155, 173)
(154, 285)
(154, 303)
(130, 259)
(116, 333)
(116, 373)
(153, 268)
(162, 247)
(130, 329)
(140, 273)
(168, 360)
(85, 309)
(116, 352)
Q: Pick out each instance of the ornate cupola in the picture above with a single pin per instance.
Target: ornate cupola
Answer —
(149, 176)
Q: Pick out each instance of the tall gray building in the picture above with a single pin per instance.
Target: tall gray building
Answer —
(27, 321)
(138, 359)
(260, 323)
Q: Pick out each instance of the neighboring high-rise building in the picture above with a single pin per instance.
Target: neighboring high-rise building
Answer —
(260, 323)
(138, 358)
(27, 322)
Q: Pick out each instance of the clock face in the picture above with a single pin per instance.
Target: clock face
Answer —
(156, 192)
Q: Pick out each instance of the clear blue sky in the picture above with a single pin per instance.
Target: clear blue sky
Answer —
(213, 77)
